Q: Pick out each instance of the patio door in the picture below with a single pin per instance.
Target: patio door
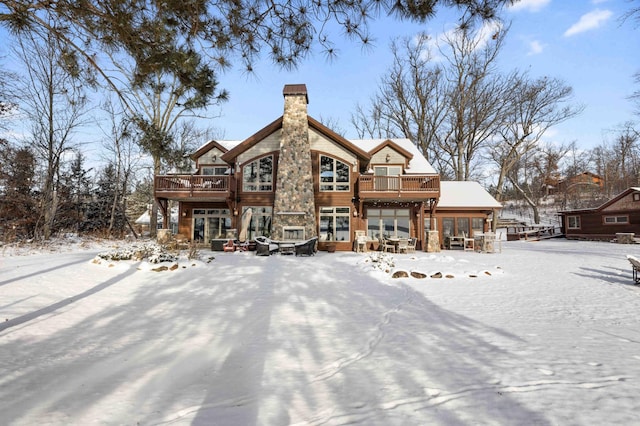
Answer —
(210, 224)
(382, 182)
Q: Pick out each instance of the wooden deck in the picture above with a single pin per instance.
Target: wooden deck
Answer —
(533, 232)
(371, 186)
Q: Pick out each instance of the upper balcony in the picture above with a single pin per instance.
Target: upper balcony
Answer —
(403, 186)
(192, 187)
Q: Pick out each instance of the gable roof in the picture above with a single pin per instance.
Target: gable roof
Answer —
(418, 164)
(276, 125)
(391, 144)
(465, 194)
(345, 143)
(252, 140)
(208, 147)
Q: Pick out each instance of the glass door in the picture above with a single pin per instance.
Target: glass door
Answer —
(209, 224)
(383, 180)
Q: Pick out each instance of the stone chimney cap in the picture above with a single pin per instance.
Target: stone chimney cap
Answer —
(295, 89)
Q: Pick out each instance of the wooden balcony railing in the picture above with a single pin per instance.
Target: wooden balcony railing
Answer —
(192, 185)
(427, 185)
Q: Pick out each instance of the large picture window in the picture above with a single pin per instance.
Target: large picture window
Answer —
(334, 224)
(258, 175)
(385, 223)
(334, 174)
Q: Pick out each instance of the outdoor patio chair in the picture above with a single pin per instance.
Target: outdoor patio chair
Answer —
(635, 267)
(411, 246)
(306, 248)
(388, 246)
(360, 241)
(403, 245)
(265, 246)
(230, 246)
(361, 244)
(467, 242)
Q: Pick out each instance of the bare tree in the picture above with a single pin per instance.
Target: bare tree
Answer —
(411, 99)
(477, 97)
(54, 103)
(6, 105)
(449, 104)
(124, 155)
(618, 162)
(576, 162)
(530, 175)
(535, 106)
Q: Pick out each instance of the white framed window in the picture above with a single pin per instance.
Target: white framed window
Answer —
(616, 220)
(388, 223)
(214, 170)
(573, 222)
(334, 174)
(334, 224)
(636, 196)
(257, 176)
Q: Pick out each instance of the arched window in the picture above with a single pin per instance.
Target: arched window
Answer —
(258, 175)
(334, 174)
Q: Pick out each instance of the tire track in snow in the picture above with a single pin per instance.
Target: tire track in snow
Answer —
(379, 333)
(436, 397)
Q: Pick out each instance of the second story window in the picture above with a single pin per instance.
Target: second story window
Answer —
(258, 175)
(214, 170)
(334, 174)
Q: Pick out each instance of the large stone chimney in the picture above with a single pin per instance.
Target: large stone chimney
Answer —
(294, 208)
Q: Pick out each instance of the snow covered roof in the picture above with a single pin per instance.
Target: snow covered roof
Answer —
(417, 165)
(145, 217)
(224, 143)
(465, 194)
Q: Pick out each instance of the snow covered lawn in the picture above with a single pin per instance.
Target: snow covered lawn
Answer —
(542, 333)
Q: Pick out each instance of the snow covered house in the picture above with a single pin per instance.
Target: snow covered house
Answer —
(295, 179)
(619, 215)
(143, 221)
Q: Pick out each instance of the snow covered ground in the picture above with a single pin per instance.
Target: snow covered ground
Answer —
(542, 333)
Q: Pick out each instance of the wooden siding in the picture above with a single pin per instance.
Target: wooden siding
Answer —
(625, 204)
(322, 144)
(592, 224)
(395, 158)
(269, 144)
(207, 158)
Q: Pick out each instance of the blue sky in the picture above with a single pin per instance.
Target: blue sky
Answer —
(583, 42)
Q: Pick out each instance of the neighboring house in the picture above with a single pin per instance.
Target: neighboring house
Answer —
(296, 178)
(581, 183)
(142, 222)
(621, 214)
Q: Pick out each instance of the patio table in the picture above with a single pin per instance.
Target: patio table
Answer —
(286, 247)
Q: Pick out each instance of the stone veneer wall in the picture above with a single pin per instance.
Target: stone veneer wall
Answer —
(294, 198)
